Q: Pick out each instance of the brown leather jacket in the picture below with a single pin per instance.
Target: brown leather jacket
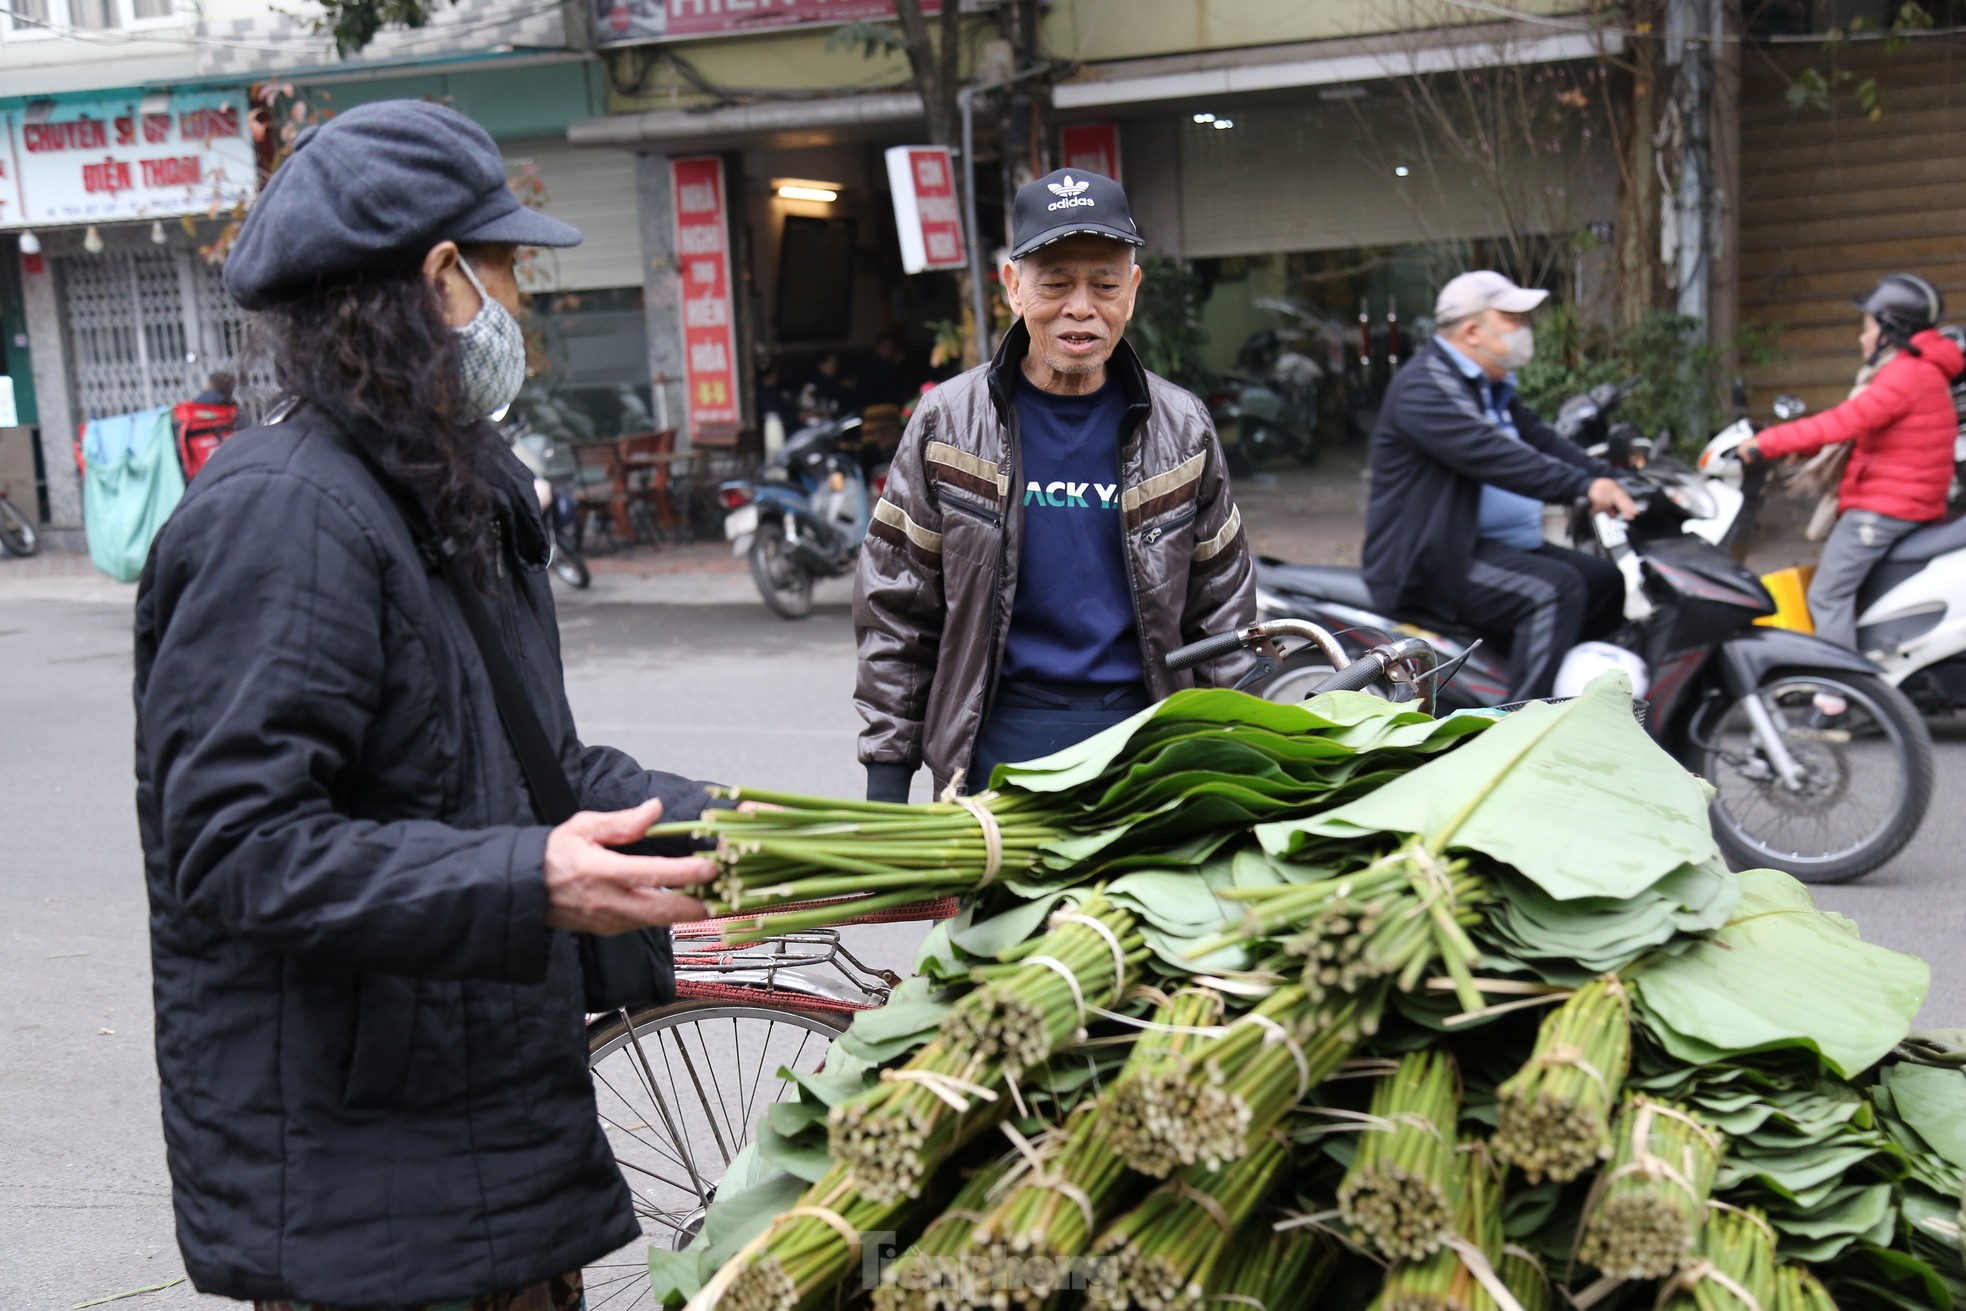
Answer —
(931, 605)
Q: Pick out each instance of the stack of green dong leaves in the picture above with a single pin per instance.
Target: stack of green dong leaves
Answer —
(1339, 1006)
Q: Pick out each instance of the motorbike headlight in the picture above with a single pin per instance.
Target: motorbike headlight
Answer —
(1695, 500)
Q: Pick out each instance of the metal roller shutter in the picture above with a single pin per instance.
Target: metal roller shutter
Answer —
(147, 327)
(595, 191)
(1310, 176)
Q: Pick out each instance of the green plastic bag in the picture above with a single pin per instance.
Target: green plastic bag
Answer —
(131, 483)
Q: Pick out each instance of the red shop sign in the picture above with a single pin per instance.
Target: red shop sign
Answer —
(923, 180)
(1091, 147)
(703, 263)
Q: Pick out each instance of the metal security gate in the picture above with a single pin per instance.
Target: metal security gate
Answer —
(146, 328)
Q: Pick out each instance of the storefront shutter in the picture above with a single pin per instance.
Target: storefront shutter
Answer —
(147, 327)
(595, 191)
(1321, 175)
(1832, 200)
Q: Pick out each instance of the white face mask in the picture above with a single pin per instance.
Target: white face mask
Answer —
(491, 353)
(1518, 347)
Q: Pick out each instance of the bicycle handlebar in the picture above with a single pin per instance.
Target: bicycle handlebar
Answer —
(1209, 648)
(1414, 656)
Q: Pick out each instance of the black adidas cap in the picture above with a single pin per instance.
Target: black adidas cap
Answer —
(1068, 203)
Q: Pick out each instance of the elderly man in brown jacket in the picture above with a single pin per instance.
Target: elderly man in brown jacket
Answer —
(1054, 524)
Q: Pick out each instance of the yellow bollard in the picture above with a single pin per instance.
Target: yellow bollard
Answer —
(1790, 588)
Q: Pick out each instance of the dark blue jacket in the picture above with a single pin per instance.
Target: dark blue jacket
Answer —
(374, 1074)
(1433, 449)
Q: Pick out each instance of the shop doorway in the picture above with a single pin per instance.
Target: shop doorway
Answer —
(146, 329)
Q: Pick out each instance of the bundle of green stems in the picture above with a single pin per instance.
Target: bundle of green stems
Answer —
(1391, 919)
(1736, 1269)
(856, 857)
(1555, 1113)
(938, 1272)
(1269, 1271)
(1047, 1219)
(1163, 1254)
(1447, 1278)
(797, 1263)
(1022, 1009)
(1209, 1100)
(894, 1134)
(1400, 1188)
(1643, 1218)
(1528, 1283)
(1796, 1289)
(1152, 1094)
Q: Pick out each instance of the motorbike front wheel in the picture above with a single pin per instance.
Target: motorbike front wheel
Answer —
(785, 586)
(17, 534)
(573, 570)
(1863, 762)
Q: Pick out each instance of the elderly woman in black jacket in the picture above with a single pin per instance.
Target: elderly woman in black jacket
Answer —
(373, 937)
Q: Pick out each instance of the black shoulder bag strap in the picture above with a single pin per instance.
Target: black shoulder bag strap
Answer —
(546, 779)
(624, 970)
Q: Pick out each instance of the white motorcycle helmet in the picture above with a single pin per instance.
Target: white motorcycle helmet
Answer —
(1589, 659)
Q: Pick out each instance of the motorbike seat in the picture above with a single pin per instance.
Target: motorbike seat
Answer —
(1331, 582)
(1929, 542)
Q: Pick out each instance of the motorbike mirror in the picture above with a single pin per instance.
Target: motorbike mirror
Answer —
(1663, 442)
(1739, 395)
(1789, 406)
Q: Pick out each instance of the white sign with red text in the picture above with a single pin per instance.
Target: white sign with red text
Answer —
(923, 180)
(102, 161)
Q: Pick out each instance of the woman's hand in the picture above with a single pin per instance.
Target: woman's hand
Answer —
(1748, 452)
(593, 889)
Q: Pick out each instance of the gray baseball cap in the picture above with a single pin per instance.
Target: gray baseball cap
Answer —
(376, 188)
(1485, 289)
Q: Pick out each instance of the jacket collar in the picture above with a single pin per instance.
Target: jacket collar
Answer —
(1125, 366)
(1502, 391)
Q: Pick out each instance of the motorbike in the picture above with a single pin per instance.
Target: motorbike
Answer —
(1268, 407)
(553, 468)
(1911, 611)
(1820, 766)
(804, 516)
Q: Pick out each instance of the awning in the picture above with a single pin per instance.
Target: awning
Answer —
(786, 124)
(1323, 63)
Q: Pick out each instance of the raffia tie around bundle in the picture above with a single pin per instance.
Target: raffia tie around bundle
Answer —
(1043, 1176)
(1651, 1166)
(979, 808)
(1704, 1270)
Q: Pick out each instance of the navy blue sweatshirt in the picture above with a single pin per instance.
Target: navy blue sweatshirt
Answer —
(1072, 619)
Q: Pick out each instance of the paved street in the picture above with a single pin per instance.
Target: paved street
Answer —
(722, 691)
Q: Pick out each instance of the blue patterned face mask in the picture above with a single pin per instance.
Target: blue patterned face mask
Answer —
(491, 353)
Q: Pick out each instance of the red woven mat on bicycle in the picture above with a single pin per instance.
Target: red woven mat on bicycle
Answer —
(940, 908)
(701, 990)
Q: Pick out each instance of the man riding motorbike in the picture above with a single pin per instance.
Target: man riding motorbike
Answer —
(1901, 423)
(1460, 471)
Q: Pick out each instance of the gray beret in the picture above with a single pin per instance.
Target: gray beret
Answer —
(376, 188)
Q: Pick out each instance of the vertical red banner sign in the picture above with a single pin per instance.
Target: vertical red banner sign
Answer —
(923, 180)
(703, 264)
(1093, 147)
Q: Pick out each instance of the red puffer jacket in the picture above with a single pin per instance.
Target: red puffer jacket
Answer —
(1903, 424)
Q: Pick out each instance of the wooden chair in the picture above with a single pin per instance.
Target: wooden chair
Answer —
(601, 487)
(649, 462)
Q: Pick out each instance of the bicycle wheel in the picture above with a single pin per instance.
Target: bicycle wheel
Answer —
(679, 1089)
(16, 532)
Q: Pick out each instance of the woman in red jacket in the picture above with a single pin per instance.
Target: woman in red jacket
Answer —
(1902, 421)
